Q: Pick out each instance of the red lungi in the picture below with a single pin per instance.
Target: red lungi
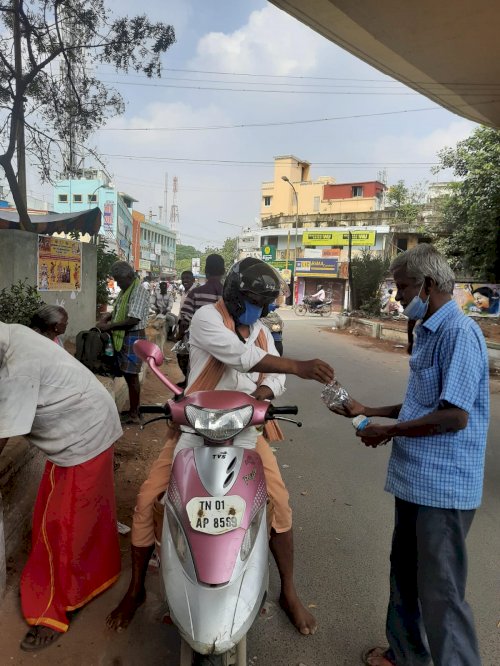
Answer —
(75, 552)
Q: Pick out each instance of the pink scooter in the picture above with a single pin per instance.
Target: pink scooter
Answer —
(214, 546)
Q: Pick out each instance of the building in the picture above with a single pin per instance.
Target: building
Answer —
(292, 192)
(157, 248)
(96, 190)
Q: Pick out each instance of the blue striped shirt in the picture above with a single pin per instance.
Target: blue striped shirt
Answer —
(449, 364)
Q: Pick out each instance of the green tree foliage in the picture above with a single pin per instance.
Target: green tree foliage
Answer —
(368, 273)
(19, 303)
(40, 40)
(406, 201)
(105, 259)
(184, 254)
(469, 231)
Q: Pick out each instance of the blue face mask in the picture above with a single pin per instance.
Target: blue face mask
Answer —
(250, 314)
(416, 308)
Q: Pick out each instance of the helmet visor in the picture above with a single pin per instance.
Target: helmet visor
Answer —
(262, 284)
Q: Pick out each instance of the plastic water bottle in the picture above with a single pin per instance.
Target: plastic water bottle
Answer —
(360, 422)
(109, 349)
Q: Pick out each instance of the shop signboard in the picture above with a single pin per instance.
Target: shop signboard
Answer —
(269, 253)
(341, 238)
(196, 265)
(317, 267)
(144, 265)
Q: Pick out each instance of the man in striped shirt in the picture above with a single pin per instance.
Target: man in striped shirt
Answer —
(207, 293)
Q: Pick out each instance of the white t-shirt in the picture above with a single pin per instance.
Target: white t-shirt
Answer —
(320, 295)
(209, 337)
(49, 396)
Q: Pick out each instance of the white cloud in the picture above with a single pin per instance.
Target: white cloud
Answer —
(272, 42)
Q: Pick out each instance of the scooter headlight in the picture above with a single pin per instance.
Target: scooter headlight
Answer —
(219, 424)
(251, 535)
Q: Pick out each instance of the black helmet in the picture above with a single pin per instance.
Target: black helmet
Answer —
(253, 279)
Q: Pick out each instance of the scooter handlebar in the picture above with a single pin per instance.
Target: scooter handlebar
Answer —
(274, 411)
(155, 409)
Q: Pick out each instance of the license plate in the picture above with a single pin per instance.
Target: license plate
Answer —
(216, 515)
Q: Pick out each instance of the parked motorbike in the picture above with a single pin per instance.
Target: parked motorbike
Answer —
(323, 309)
(275, 324)
(214, 543)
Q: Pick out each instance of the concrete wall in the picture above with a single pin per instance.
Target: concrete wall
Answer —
(18, 260)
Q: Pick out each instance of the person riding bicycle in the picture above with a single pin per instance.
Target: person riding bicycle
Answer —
(317, 299)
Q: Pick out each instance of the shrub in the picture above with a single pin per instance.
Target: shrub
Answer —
(19, 303)
(368, 273)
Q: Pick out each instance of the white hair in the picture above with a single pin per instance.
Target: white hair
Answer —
(425, 261)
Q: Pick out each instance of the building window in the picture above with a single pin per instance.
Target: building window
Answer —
(357, 191)
(92, 198)
(267, 201)
(62, 198)
(402, 244)
(316, 204)
(77, 198)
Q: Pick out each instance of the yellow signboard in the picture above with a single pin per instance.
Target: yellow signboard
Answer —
(332, 238)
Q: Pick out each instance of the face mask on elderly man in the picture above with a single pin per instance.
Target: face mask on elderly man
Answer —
(417, 308)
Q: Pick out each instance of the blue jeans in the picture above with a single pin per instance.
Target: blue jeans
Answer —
(428, 616)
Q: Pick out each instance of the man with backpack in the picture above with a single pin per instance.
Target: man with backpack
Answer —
(127, 323)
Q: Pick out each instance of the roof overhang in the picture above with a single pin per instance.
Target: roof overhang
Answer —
(85, 222)
(447, 50)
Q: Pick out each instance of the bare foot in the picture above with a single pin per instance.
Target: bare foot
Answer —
(376, 657)
(122, 615)
(297, 613)
(39, 637)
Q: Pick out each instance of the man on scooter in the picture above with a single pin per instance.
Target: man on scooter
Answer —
(230, 332)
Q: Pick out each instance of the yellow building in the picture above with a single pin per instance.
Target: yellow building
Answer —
(292, 192)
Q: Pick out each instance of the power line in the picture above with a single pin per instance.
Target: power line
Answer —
(212, 162)
(328, 78)
(267, 124)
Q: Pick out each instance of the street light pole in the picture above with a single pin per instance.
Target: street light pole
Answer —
(287, 180)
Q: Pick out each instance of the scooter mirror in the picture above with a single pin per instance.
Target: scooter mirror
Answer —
(146, 349)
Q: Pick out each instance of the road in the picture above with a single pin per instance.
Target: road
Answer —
(343, 522)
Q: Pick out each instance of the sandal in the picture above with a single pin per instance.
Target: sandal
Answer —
(39, 637)
(377, 656)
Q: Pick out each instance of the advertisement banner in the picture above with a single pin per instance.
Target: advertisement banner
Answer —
(478, 299)
(108, 216)
(144, 265)
(367, 238)
(196, 265)
(269, 253)
(312, 267)
(59, 264)
(157, 248)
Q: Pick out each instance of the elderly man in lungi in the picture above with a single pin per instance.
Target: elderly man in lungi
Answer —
(62, 409)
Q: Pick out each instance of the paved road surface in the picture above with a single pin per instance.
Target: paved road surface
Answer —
(343, 522)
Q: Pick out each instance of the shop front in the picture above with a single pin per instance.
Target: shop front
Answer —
(314, 270)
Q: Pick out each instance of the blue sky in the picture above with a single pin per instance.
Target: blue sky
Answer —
(252, 37)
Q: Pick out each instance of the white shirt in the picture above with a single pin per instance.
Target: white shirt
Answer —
(49, 396)
(320, 295)
(209, 337)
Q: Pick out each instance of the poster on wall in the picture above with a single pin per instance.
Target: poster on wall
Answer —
(59, 264)
(478, 299)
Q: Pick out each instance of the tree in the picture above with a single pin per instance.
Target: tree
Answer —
(368, 273)
(469, 230)
(228, 252)
(49, 54)
(184, 254)
(406, 201)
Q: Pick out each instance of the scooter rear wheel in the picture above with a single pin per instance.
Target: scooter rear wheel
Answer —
(300, 309)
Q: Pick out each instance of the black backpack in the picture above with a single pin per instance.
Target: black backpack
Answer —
(90, 347)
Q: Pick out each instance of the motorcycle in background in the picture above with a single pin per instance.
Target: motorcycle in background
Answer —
(214, 544)
(323, 309)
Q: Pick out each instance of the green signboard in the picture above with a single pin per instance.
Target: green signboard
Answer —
(269, 253)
